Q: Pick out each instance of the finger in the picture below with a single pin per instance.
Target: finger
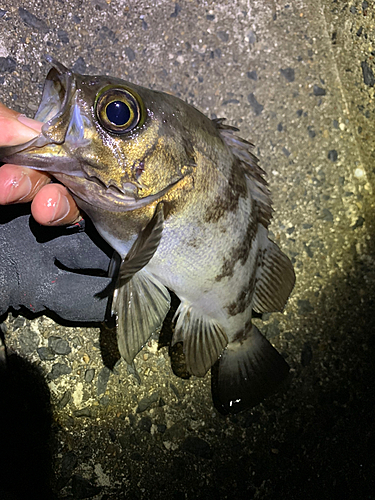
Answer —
(20, 184)
(54, 206)
(16, 128)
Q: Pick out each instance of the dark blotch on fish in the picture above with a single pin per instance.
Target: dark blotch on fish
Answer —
(227, 199)
(240, 253)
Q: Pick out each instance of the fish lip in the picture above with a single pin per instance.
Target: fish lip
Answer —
(48, 103)
(53, 95)
(114, 200)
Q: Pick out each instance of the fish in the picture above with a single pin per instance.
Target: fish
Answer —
(185, 205)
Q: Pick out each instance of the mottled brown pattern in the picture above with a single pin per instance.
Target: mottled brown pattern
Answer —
(228, 198)
(240, 253)
(244, 298)
(242, 334)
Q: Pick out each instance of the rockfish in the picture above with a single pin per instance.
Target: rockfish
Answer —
(182, 200)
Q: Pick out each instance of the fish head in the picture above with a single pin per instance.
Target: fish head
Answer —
(115, 145)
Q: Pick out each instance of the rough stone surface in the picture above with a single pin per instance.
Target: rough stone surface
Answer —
(314, 439)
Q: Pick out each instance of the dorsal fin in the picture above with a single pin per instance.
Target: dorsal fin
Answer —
(242, 150)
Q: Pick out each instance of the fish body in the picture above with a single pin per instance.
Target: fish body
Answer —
(184, 203)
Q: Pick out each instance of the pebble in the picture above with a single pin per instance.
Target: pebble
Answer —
(59, 369)
(358, 223)
(130, 53)
(62, 35)
(288, 74)
(252, 75)
(359, 173)
(68, 463)
(311, 132)
(332, 155)
(30, 20)
(82, 488)
(80, 66)
(306, 354)
(304, 306)
(7, 64)
(368, 75)
(273, 329)
(177, 10)
(45, 353)
(65, 399)
(251, 36)
(58, 345)
(223, 35)
(147, 401)
(112, 435)
(318, 91)
(257, 107)
(175, 390)
(89, 375)
(145, 424)
(108, 33)
(327, 215)
(103, 378)
(29, 342)
(84, 412)
(197, 446)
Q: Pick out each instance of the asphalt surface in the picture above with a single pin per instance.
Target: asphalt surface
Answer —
(298, 79)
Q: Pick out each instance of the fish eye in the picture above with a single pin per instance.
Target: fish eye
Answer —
(117, 110)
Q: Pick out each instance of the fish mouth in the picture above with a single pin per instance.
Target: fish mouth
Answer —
(109, 198)
(59, 87)
(46, 152)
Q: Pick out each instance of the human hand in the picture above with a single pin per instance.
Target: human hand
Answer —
(51, 203)
(45, 269)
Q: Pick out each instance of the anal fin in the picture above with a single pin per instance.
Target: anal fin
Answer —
(249, 370)
(203, 339)
(140, 306)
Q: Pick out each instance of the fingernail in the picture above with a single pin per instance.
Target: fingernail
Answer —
(60, 208)
(29, 122)
(18, 188)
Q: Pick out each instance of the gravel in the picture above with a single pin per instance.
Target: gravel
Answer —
(142, 431)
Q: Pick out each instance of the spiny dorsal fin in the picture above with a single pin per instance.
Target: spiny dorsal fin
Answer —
(242, 150)
(203, 339)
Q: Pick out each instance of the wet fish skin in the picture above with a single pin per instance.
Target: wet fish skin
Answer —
(200, 185)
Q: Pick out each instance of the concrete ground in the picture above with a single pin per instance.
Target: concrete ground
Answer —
(298, 79)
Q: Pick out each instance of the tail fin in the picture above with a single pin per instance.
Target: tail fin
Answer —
(249, 370)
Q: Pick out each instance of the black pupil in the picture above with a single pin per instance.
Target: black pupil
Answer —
(118, 113)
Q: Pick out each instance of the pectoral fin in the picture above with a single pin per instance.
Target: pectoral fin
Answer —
(140, 306)
(275, 280)
(140, 254)
(144, 246)
(203, 339)
(249, 370)
(140, 301)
